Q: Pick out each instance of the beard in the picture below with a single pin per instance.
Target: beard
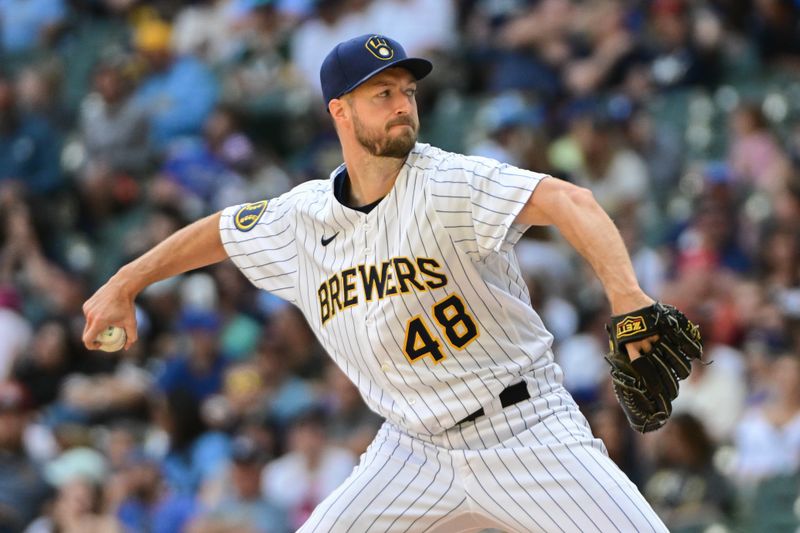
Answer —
(382, 144)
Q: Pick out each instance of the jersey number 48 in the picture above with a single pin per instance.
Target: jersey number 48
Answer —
(457, 325)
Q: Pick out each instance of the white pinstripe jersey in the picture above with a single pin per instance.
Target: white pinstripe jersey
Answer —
(420, 301)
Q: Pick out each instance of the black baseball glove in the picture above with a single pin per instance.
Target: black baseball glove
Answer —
(646, 387)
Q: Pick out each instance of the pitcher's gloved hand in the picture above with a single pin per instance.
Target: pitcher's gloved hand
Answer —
(646, 386)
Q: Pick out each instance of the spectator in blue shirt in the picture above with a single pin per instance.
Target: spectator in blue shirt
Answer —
(28, 24)
(148, 504)
(200, 372)
(22, 485)
(240, 506)
(196, 453)
(179, 92)
(29, 147)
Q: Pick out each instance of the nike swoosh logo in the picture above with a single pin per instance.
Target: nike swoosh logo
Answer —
(326, 242)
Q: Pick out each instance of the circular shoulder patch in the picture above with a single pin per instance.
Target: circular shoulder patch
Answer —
(248, 215)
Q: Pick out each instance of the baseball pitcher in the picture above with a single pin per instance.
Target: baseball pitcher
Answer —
(403, 264)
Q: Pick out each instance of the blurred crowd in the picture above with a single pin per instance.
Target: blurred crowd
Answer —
(123, 120)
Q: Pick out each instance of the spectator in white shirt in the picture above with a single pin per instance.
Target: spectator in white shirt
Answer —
(768, 438)
(312, 469)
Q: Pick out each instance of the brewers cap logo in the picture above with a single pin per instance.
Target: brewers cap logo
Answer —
(248, 215)
(631, 326)
(379, 47)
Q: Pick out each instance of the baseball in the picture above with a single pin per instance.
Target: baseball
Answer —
(112, 339)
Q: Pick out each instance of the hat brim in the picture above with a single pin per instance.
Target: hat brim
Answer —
(417, 66)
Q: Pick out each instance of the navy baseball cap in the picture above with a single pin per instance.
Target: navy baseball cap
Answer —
(353, 62)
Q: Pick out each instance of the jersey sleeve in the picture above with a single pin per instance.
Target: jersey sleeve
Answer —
(478, 200)
(260, 241)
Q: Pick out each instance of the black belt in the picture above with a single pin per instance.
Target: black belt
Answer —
(512, 394)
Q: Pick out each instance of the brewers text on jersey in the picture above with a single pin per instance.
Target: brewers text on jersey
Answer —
(398, 275)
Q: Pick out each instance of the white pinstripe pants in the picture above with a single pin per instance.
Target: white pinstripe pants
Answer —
(533, 466)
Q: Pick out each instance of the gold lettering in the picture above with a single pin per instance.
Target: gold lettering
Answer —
(324, 303)
(334, 286)
(349, 286)
(398, 275)
(405, 272)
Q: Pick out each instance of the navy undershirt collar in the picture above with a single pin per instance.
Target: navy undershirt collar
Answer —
(341, 183)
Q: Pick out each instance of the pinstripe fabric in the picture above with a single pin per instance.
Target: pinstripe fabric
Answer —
(377, 496)
(422, 304)
(519, 473)
(453, 210)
